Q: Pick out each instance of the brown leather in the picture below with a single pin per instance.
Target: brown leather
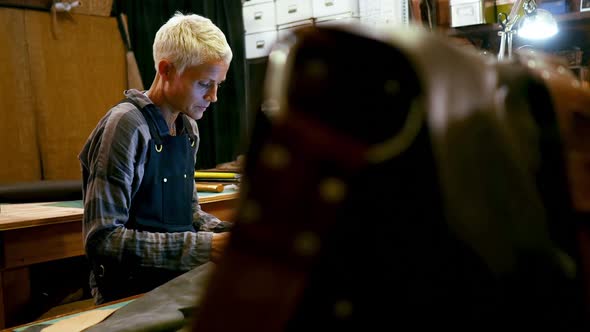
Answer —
(570, 99)
(458, 229)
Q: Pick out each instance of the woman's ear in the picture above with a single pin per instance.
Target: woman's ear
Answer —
(166, 70)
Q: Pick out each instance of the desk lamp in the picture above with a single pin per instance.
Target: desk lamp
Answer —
(535, 24)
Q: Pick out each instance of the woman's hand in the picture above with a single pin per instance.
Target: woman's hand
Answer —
(218, 244)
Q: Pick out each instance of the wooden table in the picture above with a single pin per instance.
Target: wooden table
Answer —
(43, 232)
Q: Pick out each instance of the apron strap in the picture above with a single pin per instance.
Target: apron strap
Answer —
(149, 119)
(187, 128)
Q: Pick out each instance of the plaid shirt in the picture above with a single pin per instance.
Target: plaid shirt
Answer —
(113, 161)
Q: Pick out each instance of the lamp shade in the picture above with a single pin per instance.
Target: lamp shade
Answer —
(538, 25)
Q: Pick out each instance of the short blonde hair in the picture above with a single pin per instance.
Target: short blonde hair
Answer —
(190, 40)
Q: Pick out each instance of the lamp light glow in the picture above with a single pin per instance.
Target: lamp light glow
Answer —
(534, 24)
(539, 25)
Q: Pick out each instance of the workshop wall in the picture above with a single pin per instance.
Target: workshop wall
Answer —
(61, 77)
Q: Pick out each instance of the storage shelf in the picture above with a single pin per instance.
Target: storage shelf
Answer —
(574, 31)
(565, 21)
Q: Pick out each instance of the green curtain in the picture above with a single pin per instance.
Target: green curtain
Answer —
(223, 127)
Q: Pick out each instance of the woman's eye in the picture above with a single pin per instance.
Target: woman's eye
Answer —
(209, 85)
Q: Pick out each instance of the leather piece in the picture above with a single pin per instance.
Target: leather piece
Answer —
(18, 129)
(451, 232)
(570, 101)
(85, 44)
(166, 308)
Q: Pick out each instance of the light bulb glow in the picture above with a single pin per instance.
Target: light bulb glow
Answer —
(539, 25)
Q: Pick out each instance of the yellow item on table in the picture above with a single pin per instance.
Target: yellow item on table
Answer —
(210, 187)
(217, 175)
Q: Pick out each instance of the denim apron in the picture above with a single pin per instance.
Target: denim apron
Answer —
(163, 203)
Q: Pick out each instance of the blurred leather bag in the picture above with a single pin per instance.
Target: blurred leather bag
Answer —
(405, 182)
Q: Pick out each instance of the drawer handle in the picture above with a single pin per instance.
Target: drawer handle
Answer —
(329, 3)
(257, 15)
(292, 9)
(259, 43)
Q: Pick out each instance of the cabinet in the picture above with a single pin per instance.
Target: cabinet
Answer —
(266, 21)
(289, 11)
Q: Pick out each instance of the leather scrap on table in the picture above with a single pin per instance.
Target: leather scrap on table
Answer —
(165, 308)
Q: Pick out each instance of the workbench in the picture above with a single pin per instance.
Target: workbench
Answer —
(35, 233)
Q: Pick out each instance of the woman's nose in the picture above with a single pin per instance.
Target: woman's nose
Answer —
(211, 95)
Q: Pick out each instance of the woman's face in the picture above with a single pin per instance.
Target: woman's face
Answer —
(195, 88)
